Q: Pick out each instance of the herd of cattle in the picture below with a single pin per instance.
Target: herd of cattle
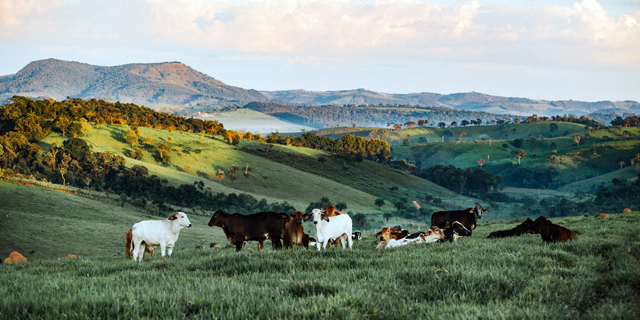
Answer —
(331, 227)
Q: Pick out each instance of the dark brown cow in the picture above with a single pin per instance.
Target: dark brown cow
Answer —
(552, 232)
(129, 252)
(253, 227)
(293, 232)
(526, 227)
(467, 217)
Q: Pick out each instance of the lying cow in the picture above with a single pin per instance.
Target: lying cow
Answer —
(390, 233)
(467, 217)
(434, 234)
(331, 227)
(525, 227)
(253, 227)
(129, 247)
(163, 233)
(552, 232)
(455, 231)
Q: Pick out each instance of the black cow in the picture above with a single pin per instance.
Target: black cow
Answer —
(253, 227)
(467, 217)
(455, 231)
(527, 226)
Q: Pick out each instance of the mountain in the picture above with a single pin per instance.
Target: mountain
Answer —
(471, 101)
(167, 82)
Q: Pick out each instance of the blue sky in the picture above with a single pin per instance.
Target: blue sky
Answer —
(581, 50)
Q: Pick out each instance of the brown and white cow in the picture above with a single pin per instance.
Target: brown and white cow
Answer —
(129, 252)
(434, 234)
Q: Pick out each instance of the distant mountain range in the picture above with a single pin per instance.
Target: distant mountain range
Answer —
(178, 84)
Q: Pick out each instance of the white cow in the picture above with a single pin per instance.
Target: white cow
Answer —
(331, 228)
(163, 233)
(432, 235)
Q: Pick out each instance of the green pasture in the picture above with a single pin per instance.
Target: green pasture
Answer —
(198, 158)
(596, 276)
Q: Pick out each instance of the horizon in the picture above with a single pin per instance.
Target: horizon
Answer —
(542, 50)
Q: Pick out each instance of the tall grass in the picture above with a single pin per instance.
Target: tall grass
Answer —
(523, 277)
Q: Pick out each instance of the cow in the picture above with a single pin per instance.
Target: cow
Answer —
(525, 227)
(552, 232)
(331, 211)
(356, 235)
(434, 234)
(259, 226)
(163, 233)
(129, 250)
(394, 232)
(293, 232)
(467, 217)
(455, 231)
(331, 227)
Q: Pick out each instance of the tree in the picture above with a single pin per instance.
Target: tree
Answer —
(399, 205)
(553, 127)
(220, 175)
(322, 160)
(576, 139)
(520, 154)
(340, 206)
(441, 125)
(246, 170)
(481, 162)
(187, 168)
(232, 172)
(387, 216)
(131, 137)
(380, 202)
(63, 124)
(622, 164)
(464, 123)
(265, 178)
(136, 154)
(163, 149)
(462, 134)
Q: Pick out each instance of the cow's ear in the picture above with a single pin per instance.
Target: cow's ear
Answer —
(378, 234)
(324, 217)
(173, 217)
(306, 217)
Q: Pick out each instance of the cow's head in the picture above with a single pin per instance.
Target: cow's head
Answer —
(149, 249)
(297, 217)
(385, 234)
(478, 210)
(318, 216)
(218, 219)
(330, 211)
(181, 219)
(434, 234)
(527, 226)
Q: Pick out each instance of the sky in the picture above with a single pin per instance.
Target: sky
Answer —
(584, 50)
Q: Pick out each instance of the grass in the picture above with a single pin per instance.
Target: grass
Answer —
(475, 277)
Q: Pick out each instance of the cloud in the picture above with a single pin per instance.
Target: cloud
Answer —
(468, 30)
(12, 12)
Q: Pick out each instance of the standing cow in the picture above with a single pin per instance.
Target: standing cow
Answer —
(467, 217)
(331, 228)
(163, 233)
(252, 227)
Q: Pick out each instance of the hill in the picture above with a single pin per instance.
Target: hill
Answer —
(470, 101)
(168, 83)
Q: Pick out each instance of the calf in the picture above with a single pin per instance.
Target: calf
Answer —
(394, 233)
(163, 233)
(356, 236)
(331, 227)
(129, 252)
(525, 227)
(253, 227)
(467, 217)
(331, 211)
(434, 234)
(552, 232)
(455, 231)
(293, 232)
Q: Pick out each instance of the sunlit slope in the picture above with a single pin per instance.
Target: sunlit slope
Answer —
(195, 158)
(47, 224)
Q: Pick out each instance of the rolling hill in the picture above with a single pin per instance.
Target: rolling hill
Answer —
(470, 101)
(168, 83)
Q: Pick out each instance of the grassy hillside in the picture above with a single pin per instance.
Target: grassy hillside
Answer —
(523, 277)
(199, 158)
(47, 224)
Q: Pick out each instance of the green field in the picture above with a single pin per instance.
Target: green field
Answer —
(597, 276)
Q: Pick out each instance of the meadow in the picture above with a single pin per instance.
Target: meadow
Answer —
(597, 276)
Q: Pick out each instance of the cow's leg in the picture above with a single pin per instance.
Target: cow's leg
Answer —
(350, 241)
(260, 244)
(140, 251)
(169, 249)
(318, 244)
(276, 243)
(163, 246)
(324, 243)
